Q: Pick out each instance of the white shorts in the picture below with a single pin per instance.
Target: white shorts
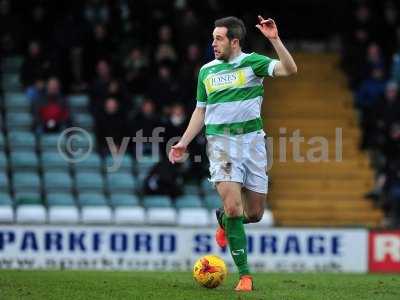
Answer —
(240, 159)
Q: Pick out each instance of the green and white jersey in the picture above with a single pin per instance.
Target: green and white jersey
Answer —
(232, 93)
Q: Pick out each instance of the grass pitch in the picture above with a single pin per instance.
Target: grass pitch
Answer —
(170, 286)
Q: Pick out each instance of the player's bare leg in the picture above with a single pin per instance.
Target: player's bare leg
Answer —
(253, 205)
(232, 221)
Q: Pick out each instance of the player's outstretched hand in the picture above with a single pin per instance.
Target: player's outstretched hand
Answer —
(176, 153)
(267, 28)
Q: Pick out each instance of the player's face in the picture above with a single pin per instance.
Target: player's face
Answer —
(221, 43)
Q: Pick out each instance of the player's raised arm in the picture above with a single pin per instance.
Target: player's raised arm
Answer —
(286, 65)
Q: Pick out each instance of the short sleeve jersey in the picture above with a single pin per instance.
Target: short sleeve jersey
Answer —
(232, 93)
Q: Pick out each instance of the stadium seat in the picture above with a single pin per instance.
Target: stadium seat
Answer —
(91, 163)
(121, 182)
(3, 161)
(130, 215)
(12, 64)
(188, 201)
(213, 219)
(94, 208)
(62, 208)
(11, 82)
(54, 161)
(193, 217)
(145, 164)
(24, 160)
(17, 102)
(26, 181)
(78, 102)
(4, 182)
(83, 120)
(156, 201)
(89, 181)
(63, 215)
(6, 210)
(21, 120)
(161, 216)
(50, 141)
(2, 140)
(207, 186)
(212, 201)
(57, 181)
(21, 140)
(91, 199)
(191, 189)
(31, 213)
(60, 199)
(32, 197)
(123, 200)
(123, 163)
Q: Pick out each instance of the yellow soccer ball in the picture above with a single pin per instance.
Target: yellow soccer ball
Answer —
(210, 271)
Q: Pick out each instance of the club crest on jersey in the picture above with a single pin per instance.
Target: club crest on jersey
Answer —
(226, 80)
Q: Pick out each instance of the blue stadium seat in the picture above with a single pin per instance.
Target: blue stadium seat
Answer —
(31, 214)
(60, 199)
(2, 140)
(57, 181)
(118, 182)
(91, 199)
(125, 163)
(123, 200)
(21, 120)
(161, 216)
(89, 181)
(54, 161)
(188, 201)
(17, 102)
(27, 198)
(24, 160)
(78, 102)
(21, 140)
(212, 201)
(6, 208)
(26, 181)
(156, 201)
(3, 161)
(83, 120)
(4, 182)
(50, 141)
(91, 163)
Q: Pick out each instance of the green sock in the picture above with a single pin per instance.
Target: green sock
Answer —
(234, 230)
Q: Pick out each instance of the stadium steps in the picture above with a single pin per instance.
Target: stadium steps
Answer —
(329, 193)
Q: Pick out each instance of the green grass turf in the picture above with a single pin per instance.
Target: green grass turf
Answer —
(170, 286)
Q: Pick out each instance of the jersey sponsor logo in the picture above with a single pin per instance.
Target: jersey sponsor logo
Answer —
(226, 80)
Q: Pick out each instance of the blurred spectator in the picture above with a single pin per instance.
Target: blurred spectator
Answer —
(164, 88)
(383, 114)
(143, 124)
(96, 11)
(51, 112)
(136, 67)
(111, 121)
(164, 179)
(367, 96)
(165, 51)
(36, 91)
(99, 87)
(35, 66)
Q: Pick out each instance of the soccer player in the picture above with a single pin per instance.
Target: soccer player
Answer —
(229, 96)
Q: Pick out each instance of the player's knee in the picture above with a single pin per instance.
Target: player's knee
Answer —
(233, 210)
(255, 217)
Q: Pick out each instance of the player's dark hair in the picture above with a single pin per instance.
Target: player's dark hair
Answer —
(235, 26)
